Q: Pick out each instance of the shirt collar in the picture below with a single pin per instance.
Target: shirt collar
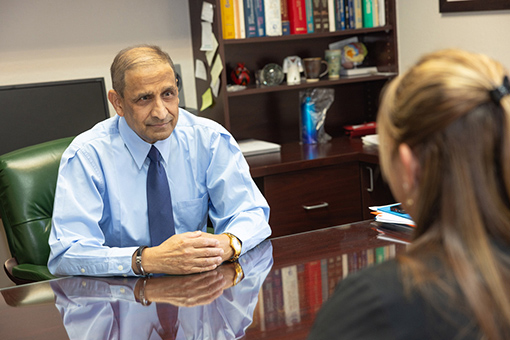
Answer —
(139, 148)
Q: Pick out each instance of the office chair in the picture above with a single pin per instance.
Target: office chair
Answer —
(28, 179)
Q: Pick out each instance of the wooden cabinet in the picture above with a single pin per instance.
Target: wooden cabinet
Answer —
(272, 113)
(314, 198)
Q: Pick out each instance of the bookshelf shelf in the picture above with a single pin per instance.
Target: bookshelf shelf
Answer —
(254, 90)
(304, 37)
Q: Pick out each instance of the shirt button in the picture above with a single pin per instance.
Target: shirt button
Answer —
(120, 267)
(122, 290)
(83, 270)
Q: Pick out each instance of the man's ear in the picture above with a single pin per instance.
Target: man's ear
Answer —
(116, 101)
(410, 166)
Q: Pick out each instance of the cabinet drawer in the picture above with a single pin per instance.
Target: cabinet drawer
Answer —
(313, 198)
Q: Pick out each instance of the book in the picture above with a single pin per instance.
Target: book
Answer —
(358, 14)
(273, 17)
(352, 14)
(331, 15)
(285, 17)
(392, 213)
(310, 23)
(340, 15)
(227, 19)
(290, 295)
(249, 19)
(375, 11)
(324, 16)
(313, 287)
(297, 16)
(381, 9)
(333, 274)
(346, 13)
(359, 71)
(252, 147)
(324, 280)
(379, 254)
(239, 19)
(317, 16)
(345, 265)
(260, 20)
(368, 13)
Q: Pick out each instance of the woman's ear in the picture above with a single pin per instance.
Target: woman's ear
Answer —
(410, 167)
(116, 101)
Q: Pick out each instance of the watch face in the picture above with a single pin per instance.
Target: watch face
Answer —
(236, 244)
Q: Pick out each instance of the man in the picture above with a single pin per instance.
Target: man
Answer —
(101, 214)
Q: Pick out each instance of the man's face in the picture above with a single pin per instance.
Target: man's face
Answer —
(150, 104)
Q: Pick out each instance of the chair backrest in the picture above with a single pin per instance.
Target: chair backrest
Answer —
(28, 179)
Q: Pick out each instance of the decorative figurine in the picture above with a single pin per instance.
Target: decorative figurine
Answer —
(240, 75)
(293, 66)
(353, 55)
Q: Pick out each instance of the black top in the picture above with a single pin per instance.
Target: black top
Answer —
(371, 304)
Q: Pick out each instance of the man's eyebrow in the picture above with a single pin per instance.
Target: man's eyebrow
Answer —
(170, 88)
(143, 94)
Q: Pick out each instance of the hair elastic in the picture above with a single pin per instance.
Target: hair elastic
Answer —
(500, 91)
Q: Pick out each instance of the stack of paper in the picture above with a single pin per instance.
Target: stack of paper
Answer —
(251, 147)
(393, 223)
(370, 139)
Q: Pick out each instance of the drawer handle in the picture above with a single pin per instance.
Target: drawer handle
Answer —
(317, 206)
(371, 174)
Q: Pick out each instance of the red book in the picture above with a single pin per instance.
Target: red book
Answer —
(313, 286)
(297, 16)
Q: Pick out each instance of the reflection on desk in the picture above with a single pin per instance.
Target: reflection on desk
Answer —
(307, 268)
(286, 281)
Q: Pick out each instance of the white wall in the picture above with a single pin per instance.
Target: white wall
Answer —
(48, 40)
(422, 29)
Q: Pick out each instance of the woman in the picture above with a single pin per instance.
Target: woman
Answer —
(444, 129)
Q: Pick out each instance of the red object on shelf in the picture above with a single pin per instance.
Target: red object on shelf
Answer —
(360, 130)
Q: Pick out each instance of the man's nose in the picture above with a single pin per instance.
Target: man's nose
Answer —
(159, 110)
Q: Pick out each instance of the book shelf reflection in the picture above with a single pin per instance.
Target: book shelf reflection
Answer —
(292, 295)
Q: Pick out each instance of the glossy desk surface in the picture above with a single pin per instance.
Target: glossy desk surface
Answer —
(286, 281)
(296, 156)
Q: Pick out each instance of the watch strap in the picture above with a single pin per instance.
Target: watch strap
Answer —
(138, 261)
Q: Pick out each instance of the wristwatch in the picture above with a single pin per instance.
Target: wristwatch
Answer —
(239, 275)
(138, 261)
(236, 246)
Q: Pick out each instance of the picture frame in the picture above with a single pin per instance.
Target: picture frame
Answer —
(449, 6)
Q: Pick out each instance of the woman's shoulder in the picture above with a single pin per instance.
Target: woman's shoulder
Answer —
(370, 304)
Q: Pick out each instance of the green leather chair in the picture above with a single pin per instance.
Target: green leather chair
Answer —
(28, 179)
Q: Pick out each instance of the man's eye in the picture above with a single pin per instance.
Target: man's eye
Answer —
(168, 94)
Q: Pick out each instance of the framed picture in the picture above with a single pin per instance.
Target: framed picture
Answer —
(446, 6)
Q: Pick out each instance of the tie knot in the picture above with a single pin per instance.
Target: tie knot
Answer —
(154, 154)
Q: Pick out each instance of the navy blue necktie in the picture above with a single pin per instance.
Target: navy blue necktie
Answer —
(159, 201)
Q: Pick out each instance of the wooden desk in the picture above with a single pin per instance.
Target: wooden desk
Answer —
(287, 280)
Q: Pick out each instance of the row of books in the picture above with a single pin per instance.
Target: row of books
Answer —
(258, 18)
(293, 293)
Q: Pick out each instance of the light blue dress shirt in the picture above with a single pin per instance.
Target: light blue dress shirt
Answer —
(100, 210)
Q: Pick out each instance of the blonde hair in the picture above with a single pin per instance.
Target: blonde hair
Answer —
(133, 57)
(442, 109)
